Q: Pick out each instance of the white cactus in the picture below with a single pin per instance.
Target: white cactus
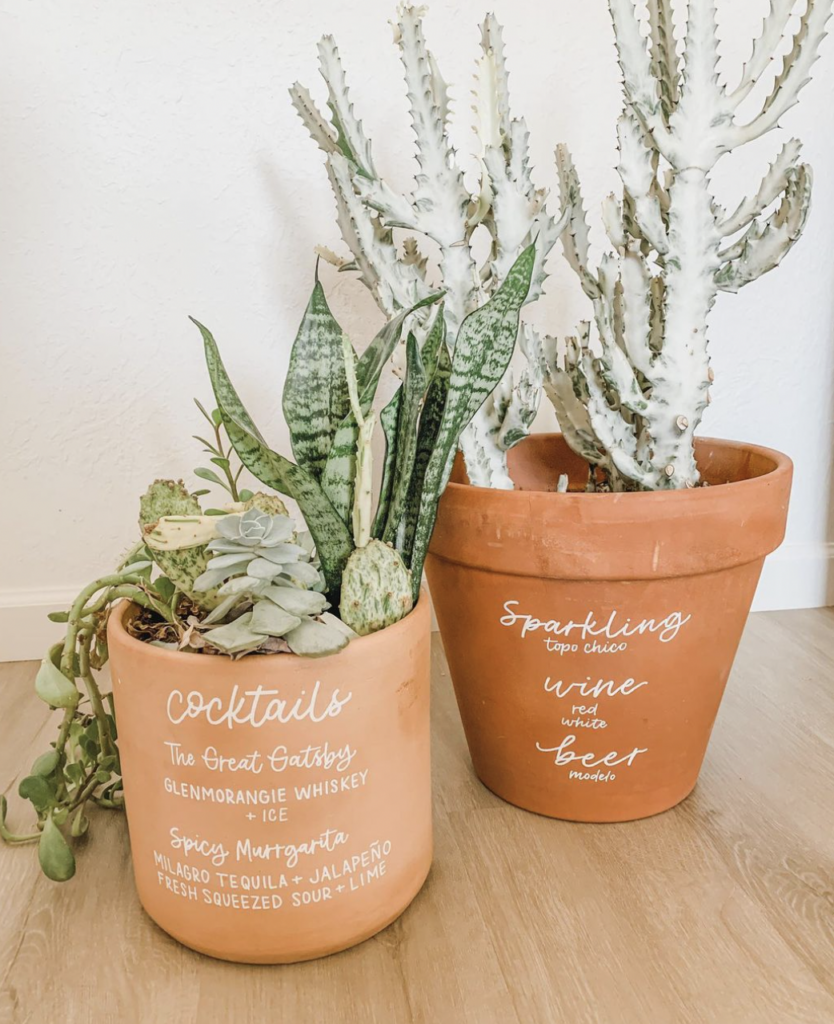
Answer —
(631, 402)
(442, 209)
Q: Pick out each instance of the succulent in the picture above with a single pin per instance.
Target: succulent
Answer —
(176, 533)
(268, 586)
(376, 589)
(261, 547)
(443, 213)
(631, 400)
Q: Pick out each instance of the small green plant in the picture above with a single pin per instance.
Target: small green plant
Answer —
(242, 580)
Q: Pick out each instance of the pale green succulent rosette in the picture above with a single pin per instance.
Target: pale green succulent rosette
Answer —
(259, 568)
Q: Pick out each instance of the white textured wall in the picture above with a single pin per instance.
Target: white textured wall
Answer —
(152, 167)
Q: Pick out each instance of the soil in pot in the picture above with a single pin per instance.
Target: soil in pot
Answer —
(279, 807)
(590, 636)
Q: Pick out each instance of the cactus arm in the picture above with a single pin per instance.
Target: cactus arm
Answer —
(350, 136)
(795, 73)
(615, 433)
(764, 47)
(413, 393)
(518, 209)
(370, 243)
(525, 397)
(665, 63)
(333, 541)
(568, 391)
(642, 91)
(482, 354)
(681, 374)
(702, 121)
(486, 462)
(638, 177)
(612, 219)
(493, 59)
(395, 284)
(572, 415)
(440, 195)
(517, 214)
(316, 398)
(319, 129)
(773, 185)
(637, 312)
(765, 244)
(576, 234)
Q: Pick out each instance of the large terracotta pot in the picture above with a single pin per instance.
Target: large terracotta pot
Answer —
(279, 807)
(590, 636)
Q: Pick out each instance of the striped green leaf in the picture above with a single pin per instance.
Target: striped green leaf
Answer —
(483, 351)
(332, 537)
(389, 418)
(340, 471)
(426, 441)
(413, 393)
(315, 393)
(436, 340)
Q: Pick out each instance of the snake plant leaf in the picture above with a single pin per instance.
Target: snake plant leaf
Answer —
(389, 418)
(56, 858)
(413, 391)
(339, 476)
(426, 439)
(333, 539)
(483, 351)
(315, 393)
(430, 351)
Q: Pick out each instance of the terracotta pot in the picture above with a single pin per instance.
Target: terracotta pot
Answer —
(590, 636)
(279, 807)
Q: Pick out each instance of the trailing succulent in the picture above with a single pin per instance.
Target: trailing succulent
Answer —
(631, 401)
(444, 213)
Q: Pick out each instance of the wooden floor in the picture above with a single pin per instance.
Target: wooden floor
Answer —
(719, 912)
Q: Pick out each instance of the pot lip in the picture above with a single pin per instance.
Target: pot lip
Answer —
(783, 466)
(116, 624)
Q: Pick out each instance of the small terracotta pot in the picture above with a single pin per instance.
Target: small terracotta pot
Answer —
(590, 636)
(279, 807)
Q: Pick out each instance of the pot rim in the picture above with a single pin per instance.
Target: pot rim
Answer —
(118, 612)
(782, 466)
(625, 536)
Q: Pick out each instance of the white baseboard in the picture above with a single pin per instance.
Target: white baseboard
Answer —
(25, 631)
(797, 576)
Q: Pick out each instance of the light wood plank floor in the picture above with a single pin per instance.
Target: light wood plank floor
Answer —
(719, 912)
